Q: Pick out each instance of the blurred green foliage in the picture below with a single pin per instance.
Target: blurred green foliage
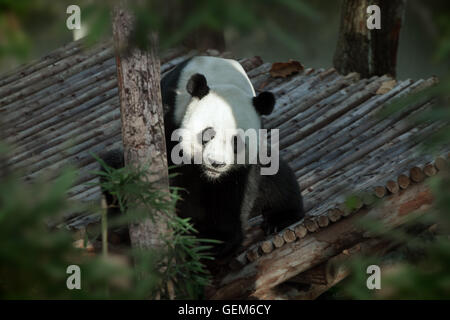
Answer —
(174, 20)
(180, 260)
(420, 267)
(34, 257)
(34, 260)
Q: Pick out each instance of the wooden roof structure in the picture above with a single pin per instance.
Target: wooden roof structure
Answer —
(58, 109)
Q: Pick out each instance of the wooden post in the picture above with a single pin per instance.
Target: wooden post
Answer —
(368, 52)
(138, 76)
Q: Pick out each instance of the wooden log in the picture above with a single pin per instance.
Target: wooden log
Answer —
(334, 214)
(55, 142)
(63, 152)
(78, 80)
(441, 163)
(45, 79)
(57, 55)
(319, 210)
(322, 274)
(252, 254)
(252, 63)
(36, 72)
(36, 108)
(70, 99)
(379, 191)
(345, 209)
(392, 186)
(87, 99)
(328, 274)
(80, 160)
(293, 83)
(375, 247)
(267, 246)
(68, 127)
(349, 157)
(358, 203)
(311, 225)
(368, 198)
(323, 221)
(349, 181)
(289, 138)
(252, 236)
(416, 174)
(316, 248)
(60, 92)
(307, 101)
(364, 128)
(259, 70)
(403, 181)
(289, 236)
(356, 177)
(349, 94)
(367, 161)
(300, 231)
(430, 170)
(278, 241)
(396, 158)
(321, 107)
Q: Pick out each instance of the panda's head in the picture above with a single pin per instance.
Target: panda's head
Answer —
(218, 124)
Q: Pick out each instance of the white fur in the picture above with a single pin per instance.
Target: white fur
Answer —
(227, 108)
(219, 73)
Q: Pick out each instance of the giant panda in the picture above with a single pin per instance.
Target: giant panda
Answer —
(208, 102)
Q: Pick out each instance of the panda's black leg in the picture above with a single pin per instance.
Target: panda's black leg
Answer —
(230, 244)
(275, 221)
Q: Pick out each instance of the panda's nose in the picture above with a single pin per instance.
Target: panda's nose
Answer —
(216, 164)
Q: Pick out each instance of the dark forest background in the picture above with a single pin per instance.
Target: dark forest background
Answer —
(312, 36)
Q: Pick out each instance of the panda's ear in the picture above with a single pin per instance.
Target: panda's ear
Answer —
(264, 103)
(197, 86)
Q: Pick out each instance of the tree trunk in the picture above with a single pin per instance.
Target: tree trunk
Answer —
(138, 74)
(368, 52)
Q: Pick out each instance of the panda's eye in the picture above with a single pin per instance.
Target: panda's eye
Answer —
(237, 143)
(206, 135)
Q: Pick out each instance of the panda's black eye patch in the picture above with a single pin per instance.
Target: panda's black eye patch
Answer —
(237, 143)
(206, 135)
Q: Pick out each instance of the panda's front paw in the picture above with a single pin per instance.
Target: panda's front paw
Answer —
(269, 228)
(225, 251)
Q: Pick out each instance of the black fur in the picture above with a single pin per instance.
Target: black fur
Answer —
(216, 206)
(280, 201)
(264, 103)
(197, 86)
(169, 85)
